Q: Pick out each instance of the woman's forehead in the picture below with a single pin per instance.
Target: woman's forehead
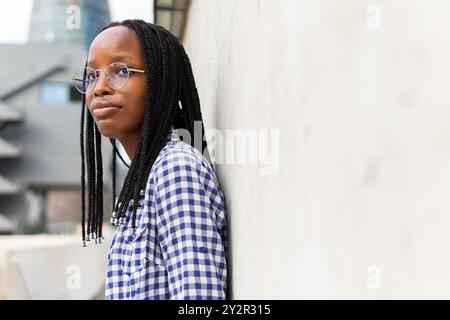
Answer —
(118, 43)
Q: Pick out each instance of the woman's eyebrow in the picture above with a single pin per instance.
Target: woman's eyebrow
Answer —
(121, 58)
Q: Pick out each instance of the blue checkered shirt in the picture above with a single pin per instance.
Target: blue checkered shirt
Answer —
(179, 248)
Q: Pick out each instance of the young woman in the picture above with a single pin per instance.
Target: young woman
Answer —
(138, 88)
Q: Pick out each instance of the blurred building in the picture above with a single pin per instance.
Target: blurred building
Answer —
(40, 136)
(171, 14)
(67, 21)
(40, 118)
(8, 116)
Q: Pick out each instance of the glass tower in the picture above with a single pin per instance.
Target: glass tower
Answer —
(67, 21)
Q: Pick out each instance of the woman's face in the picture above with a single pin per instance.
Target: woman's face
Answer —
(119, 112)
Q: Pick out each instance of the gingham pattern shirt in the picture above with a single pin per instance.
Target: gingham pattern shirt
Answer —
(179, 248)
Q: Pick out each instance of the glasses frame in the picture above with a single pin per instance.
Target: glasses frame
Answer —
(130, 71)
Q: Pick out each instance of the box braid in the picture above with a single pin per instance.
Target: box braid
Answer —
(170, 80)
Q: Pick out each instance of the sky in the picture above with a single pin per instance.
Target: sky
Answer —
(15, 17)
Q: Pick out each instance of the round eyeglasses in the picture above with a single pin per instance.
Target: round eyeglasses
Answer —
(117, 75)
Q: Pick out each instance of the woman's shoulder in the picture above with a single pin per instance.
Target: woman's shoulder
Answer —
(181, 172)
(178, 152)
(178, 157)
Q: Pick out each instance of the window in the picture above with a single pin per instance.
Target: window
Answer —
(54, 93)
(171, 14)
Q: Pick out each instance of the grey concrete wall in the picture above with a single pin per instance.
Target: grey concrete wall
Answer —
(53, 267)
(358, 90)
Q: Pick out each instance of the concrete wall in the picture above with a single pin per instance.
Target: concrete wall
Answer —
(46, 267)
(358, 90)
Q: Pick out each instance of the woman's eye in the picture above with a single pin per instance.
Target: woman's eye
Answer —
(90, 77)
(122, 72)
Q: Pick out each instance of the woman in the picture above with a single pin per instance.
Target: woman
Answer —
(138, 88)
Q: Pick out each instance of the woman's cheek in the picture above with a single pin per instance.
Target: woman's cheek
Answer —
(129, 119)
(88, 99)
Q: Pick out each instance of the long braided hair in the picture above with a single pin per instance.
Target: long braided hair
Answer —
(169, 81)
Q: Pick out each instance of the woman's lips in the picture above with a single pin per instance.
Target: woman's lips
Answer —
(104, 109)
(105, 112)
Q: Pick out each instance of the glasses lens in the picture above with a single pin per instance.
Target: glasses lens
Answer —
(84, 80)
(117, 74)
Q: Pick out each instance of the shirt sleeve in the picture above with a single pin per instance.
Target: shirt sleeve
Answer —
(191, 221)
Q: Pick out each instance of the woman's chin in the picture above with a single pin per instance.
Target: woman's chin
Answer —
(106, 131)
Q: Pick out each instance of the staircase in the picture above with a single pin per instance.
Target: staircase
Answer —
(8, 152)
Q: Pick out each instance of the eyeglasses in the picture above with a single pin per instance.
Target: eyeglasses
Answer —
(117, 75)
